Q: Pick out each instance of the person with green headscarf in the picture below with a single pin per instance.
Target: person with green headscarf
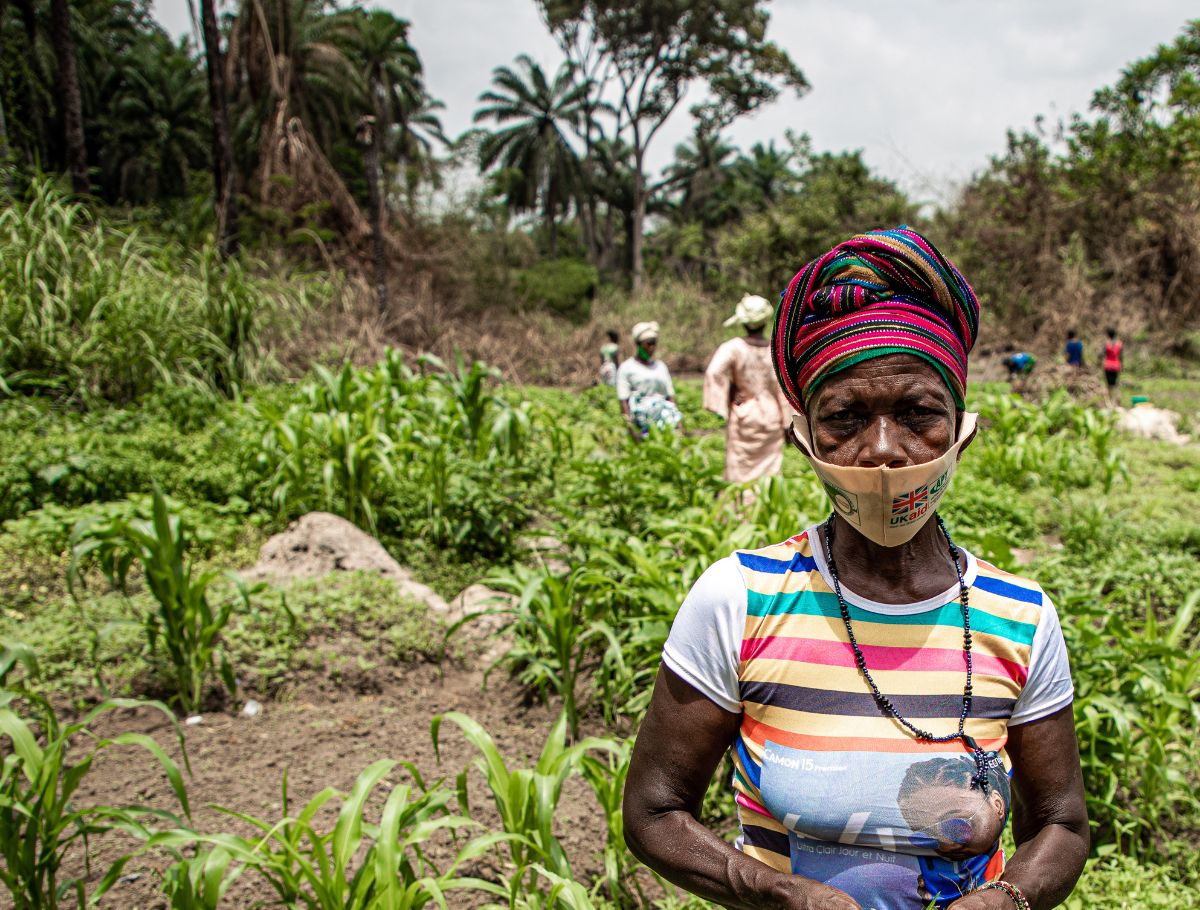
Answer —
(740, 387)
(644, 386)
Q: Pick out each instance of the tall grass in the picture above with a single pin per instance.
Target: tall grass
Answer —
(87, 311)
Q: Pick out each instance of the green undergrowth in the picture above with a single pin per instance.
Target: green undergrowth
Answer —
(341, 627)
(541, 493)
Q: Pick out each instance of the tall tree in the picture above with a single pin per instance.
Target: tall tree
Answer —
(658, 48)
(407, 124)
(535, 115)
(368, 140)
(224, 175)
(72, 102)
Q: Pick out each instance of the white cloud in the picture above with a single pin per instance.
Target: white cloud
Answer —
(927, 88)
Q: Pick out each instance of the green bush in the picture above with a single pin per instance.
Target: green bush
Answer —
(563, 286)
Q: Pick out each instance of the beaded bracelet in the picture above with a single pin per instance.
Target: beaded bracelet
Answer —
(1010, 889)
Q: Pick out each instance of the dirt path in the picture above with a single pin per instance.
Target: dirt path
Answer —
(325, 738)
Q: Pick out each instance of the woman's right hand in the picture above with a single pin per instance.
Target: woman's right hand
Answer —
(806, 894)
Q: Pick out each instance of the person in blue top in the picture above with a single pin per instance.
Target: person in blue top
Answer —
(1073, 350)
(1018, 363)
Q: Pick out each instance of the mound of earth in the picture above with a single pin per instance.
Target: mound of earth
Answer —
(1151, 423)
(319, 543)
(1083, 384)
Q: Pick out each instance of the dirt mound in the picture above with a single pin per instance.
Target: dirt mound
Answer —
(1151, 423)
(1083, 384)
(319, 543)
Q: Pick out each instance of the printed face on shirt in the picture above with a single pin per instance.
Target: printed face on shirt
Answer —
(940, 806)
(891, 411)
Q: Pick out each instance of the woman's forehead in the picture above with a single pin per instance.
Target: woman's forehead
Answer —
(891, 377)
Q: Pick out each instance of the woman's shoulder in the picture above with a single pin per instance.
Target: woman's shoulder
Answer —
(1015, 597)
(783, 558)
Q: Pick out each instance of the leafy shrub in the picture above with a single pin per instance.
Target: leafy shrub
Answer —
(563, 286)
(69, 459)
(1137, 711)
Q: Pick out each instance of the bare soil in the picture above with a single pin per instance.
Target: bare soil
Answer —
(325, 738)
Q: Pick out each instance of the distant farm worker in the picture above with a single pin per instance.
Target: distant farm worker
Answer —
(608, 358)
(874, 682)
(740, 386)
(1018, 363)
(1073, 350)
(1114, 359)
(644, 386)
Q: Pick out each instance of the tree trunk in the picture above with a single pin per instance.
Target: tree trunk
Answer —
(370, 146)
(639, 226)
(68, 87)
(3, 122)
(551, 227)
(3, 135)
(222, 149)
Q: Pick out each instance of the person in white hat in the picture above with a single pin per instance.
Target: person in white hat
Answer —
(740, 386)
(644, 386)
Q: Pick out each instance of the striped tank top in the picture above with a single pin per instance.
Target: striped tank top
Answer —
(829, 787)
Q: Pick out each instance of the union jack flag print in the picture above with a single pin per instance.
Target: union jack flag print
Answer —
(912, 501)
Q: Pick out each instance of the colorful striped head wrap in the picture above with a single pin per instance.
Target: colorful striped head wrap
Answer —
(879, 293)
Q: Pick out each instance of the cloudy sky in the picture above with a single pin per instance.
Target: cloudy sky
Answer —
(926, 88)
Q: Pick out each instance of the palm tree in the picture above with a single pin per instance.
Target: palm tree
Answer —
(69, 95)
(417, 128)
(294, 58)
(154, 125)
(534, 116)
(406, 121)
(701, 174)
(765, 175)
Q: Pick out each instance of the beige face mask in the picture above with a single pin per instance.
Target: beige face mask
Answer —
(888, 505)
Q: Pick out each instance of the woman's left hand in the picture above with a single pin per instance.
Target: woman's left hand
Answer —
(992, 899)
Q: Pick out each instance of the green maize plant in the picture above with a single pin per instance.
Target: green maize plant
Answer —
(42, 770)
(356, 865)
(606, 774)
(1137, 713)
(199, 882)
(468, 395)
(525, 798)
(553, 638)
(186, 627)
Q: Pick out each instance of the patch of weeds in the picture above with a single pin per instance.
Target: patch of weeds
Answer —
(366, 612)
(1121, 883)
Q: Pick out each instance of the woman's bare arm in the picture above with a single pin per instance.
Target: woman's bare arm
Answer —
(679, 747)
(1049, 816)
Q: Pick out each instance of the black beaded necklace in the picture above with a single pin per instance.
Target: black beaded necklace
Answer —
(984, 760)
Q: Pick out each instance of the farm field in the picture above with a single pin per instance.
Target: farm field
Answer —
(587, 543)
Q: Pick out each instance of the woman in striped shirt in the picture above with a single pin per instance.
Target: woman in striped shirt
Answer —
(890, 700)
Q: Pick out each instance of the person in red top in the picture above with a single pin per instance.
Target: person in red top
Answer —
(1112, 363)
